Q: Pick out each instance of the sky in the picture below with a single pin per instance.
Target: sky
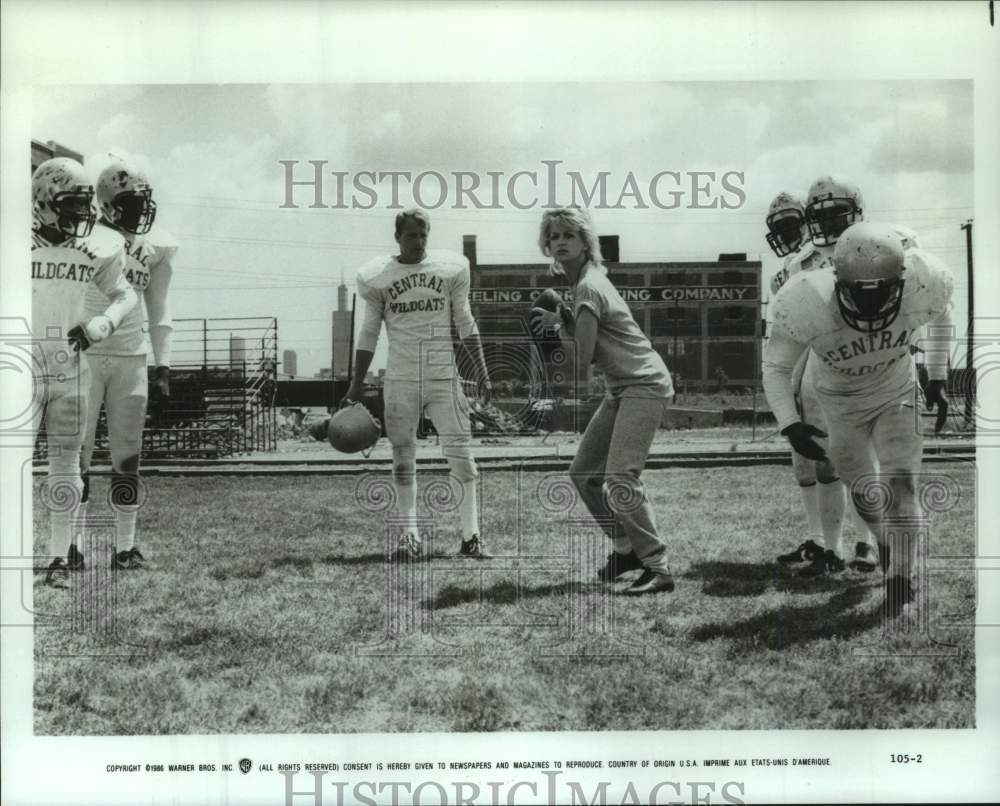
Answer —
(213, 155)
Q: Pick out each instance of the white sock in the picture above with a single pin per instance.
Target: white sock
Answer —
(811, 503)
(79, 526)
(125, 528)
(406, 506)
(469, 508)
(65, 487)
(830, 502)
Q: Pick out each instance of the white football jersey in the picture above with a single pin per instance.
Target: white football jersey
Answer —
(418, 302)
(145, 255)
(857, 374)
(60, 277)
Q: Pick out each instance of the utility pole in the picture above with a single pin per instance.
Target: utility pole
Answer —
(970, 382)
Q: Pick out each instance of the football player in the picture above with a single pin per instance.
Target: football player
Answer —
(68, 255)
(859, 321)
(119, 378)
(419, 294)
(820, 487)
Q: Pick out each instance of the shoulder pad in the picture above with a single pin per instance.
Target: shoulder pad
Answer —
(801, 309)
(448, 256)
(928, 282)
(908, 236)
(162, 242)
(104, 242)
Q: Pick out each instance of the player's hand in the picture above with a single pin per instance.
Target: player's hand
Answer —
(545, 324)
(934, 396)
(800, 435)
(319, 430)
(485, 392)
(353, 395)
(83, 336)
(159, 400)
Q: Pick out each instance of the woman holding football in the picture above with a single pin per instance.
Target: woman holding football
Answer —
(614, 448)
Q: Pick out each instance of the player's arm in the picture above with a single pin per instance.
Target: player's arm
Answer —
(585, 342)
(468, 332)
(161, 326)
(781, 354)
(371, 327)
(121, 297)
(938, 334)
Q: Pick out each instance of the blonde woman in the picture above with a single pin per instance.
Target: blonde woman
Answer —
(614, 448)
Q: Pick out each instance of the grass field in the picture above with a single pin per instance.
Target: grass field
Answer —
(263, 592)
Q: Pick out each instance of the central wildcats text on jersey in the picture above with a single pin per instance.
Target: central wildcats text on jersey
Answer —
(418, 302)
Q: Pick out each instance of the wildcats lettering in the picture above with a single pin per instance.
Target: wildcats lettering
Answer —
(137, 252)
(48, 270)
(434, 304)
(137, 279)
(415, 280)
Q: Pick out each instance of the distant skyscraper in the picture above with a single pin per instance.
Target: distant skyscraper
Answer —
(341, 333)
(237, 351)
(289, 363)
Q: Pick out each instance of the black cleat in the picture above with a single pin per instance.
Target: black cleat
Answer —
(474, 549)
(883, 558)
(617, 565)
(805, 553)
(57, 574)
(74, 559)
(826, 563)
(899, 592)
(864, 558)
(650, 582)
(410, 548)
(127, 560)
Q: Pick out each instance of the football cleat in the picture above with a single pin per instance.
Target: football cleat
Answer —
(806, 552)
(864, 558)
(74, 559)
(651, 582)
(899, 592)
(127, 560)
(617, 565)
(57, 574)
(473, 548)
(826, 563)
(409, 548)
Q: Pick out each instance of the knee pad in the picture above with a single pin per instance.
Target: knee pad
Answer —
(124, 490)
(404, 464)
(826, 473)
(463, 466)
(804, 470)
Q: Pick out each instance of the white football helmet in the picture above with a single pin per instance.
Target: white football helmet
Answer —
(868, 264)
(62, 197)
(353, 429)
(786, 223)
(125, 198)
(833, 205)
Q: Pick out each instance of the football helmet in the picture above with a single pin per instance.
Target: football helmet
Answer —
(125, 198)
(833, 205)
(868, 265)
(786, 223)
(353, 429)
(62, 198)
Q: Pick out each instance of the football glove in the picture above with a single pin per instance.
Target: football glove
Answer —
(934, 396)
(800, 435)
(97, 329)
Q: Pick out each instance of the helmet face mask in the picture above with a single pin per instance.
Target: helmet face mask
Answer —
(126, 199)
(834, 204)
(870, 306)
(785, 231)
(63, 198)
(829, 218)
(869, 266)
(134, 211)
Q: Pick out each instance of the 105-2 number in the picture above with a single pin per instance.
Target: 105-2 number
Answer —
(906, 758)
